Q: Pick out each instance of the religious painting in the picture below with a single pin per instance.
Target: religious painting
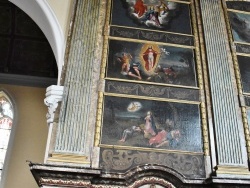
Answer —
(151, 124)
(161, 15)
(244, 66)
(240, 24)
(152, 63)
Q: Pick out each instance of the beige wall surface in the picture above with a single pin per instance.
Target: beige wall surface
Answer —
(62, 10)
(30, 135)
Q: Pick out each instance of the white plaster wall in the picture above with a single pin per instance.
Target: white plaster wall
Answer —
(62, 10)
(29, 136)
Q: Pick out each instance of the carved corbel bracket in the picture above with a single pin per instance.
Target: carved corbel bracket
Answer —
(54, 94)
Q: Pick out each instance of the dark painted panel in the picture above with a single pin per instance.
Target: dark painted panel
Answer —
(151, 124)
(154, 15)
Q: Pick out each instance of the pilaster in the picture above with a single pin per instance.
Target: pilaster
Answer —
(76, 120)
(229, 134)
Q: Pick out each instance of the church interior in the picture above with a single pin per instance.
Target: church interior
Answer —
(125, 93)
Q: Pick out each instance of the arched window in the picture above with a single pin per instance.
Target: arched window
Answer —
(6, 119)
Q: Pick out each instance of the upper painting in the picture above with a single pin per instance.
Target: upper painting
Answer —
(158, 15)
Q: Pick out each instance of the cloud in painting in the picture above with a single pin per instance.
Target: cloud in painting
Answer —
(241, 26)
(152, 13)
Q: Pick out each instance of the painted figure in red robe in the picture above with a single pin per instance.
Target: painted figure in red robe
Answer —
(140, 8)
(149, 57)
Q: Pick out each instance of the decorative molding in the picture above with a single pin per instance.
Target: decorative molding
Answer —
(57, 182)
(82, 183)
(152, 180)
(234, 170)
(54, 94)
(68, 158)
(151, 90)
(47, 175)
(31, 81)
(191, 166)
(126, 32)
(102, 72)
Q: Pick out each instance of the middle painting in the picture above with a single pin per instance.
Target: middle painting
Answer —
(150, 62)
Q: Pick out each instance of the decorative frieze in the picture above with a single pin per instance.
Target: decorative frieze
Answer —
(151, 36)
(117, 160)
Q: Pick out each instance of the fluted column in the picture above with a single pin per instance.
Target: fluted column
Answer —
(229, 135)
(71, 142)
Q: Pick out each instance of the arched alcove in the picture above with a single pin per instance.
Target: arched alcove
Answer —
(45, 18)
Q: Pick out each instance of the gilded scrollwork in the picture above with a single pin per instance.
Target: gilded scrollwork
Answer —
(122, 160)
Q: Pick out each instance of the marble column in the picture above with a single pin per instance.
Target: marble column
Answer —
(229, 133)
(76, 120)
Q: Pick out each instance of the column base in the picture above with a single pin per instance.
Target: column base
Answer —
(232, 171)
(68, 158)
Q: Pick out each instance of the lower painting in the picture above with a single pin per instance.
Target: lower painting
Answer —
(151, 124)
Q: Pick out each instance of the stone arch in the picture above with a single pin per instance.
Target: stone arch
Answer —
(45, 18)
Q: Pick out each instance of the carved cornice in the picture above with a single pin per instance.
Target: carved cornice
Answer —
(75, 176)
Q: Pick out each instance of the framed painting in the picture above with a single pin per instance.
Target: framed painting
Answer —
(158, 15)
(152, 63)
(240, 26)
(244, 66)
(151, 124)
(248, 117)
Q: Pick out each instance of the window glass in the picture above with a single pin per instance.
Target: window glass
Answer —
(6, 119)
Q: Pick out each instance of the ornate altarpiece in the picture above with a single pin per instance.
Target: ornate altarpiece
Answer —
(152, 102)
(167, 98)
